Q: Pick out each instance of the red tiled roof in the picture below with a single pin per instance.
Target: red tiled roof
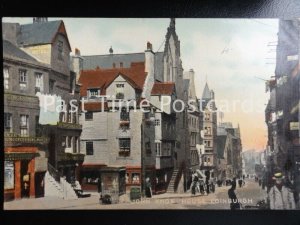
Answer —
(94, 106)
(164, 88)
(102, 78)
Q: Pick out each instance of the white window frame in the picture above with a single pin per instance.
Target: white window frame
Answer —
(24, 125)
(39, 81)
(6, 77)
(23, 79)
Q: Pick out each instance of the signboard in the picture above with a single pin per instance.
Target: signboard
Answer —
(9, 171)
(294, 125)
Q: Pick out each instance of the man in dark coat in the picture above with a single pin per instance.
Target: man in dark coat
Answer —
(234, 205)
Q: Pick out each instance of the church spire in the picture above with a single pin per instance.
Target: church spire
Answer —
(206, 92)
(172, 23)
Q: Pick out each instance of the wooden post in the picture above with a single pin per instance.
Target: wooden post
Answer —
(17, 179)
(32, 178)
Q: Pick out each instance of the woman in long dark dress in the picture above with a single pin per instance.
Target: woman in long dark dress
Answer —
(234, 204)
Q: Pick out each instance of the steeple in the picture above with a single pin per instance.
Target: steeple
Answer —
(172, 23)
(206, 92)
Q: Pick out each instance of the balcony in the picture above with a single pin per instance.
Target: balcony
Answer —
(12, 139)
(71, 126)
(164, 162)
(71, 157)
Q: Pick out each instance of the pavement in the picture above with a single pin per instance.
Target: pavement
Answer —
(248, 195)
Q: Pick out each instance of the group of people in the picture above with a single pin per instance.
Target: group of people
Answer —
(201, 186)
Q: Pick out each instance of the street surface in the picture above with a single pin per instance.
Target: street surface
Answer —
(247, 195)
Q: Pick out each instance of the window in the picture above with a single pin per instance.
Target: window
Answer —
(23, 78)
(39, 83)
(120, 91)
(24, 125)
(69, 142)
(8, 122)
(51, 86)
(207, 116)
(167, 149)
(89, 148)
(60, 47)
(114, 65)
(76, 147)
(135, 178)
(193, 138)
(37, 126)
(157, 149)
(157, 122)
(207, 130)
(124, 146)
(6, 77)
(207, 143)
(208, 159)
(89, 116)
(124, 115)
(121, 64)
(93, 93)
(148, 148)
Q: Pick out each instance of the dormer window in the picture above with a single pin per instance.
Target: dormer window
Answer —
(93, 93)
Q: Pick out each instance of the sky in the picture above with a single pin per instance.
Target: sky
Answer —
(232, 55)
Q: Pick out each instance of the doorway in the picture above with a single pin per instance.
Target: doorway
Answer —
(25, 179)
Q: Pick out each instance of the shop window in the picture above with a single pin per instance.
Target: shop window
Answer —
(89, 148)
(135, 178)
(9, 175)
(124, 147)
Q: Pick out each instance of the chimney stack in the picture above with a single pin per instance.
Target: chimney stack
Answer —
(111, 51)
(40, 19)
(77, 52)
(149, 46)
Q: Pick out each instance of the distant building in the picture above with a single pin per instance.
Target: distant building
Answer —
(209, 156)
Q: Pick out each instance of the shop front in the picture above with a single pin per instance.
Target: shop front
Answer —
(90, 177)
(19, 172)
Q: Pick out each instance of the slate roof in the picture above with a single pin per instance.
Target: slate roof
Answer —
(91, 62)
(102, 78)
(221, 142)
(165, 88)
(11, 50)
(206, 92)
(38, 33)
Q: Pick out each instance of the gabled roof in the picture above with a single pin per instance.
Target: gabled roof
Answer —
(11, 50)
(41, 33)
(164, 88)
(135, 76)
(221, 142)
(206, 92)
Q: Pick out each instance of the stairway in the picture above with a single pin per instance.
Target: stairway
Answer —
(61, 189)
(171, 186)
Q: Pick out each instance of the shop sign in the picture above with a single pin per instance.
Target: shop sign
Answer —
(294, 125)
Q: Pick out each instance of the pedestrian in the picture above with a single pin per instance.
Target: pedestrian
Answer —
(234, 202)
(281, 196)
(240, 182)
(148, 188)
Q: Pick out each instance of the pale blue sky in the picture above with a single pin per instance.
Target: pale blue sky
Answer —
(231, 74)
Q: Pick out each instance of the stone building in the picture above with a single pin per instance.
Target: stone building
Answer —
(229, 152)
(282, 111)
(24, 162)
(158, 76)
(194, 118)
(209, 109)
(47, 43)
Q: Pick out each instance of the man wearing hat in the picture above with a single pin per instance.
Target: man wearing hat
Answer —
(280, 196)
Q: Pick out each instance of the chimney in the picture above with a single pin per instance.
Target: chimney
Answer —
(149, 46)
(77, 52)
(40, 19)
(111, 51)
